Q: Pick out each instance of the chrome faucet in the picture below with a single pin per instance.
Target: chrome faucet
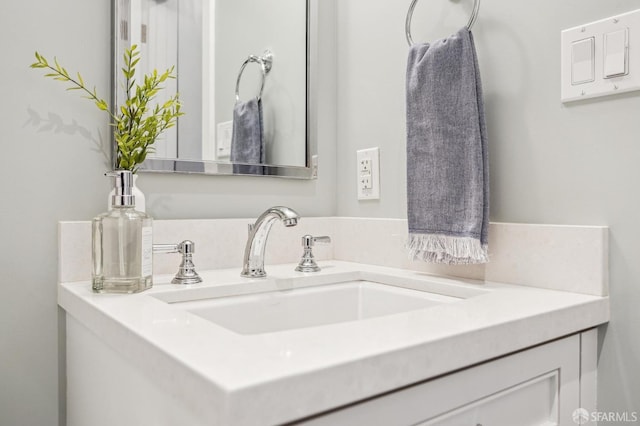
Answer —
(253, 266)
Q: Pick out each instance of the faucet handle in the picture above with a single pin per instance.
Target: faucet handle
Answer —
(309, 240)
(187, 270)
(308, 263)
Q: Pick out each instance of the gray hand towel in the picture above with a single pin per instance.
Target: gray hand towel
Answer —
(447, 159)
(247, 141)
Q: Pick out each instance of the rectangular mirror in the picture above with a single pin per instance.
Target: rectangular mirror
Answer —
(245, 78)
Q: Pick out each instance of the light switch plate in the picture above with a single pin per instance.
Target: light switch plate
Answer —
(573, 89)
(368, 174)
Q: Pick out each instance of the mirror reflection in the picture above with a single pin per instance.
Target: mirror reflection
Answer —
(242, 79)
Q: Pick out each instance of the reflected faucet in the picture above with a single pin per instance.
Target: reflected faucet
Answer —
(253, 265)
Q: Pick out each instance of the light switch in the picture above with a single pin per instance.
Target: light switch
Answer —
(616, 53)
(582, 61)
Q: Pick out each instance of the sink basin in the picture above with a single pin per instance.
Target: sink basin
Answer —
(312, 306)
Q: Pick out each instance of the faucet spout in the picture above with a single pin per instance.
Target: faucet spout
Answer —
(253, 265)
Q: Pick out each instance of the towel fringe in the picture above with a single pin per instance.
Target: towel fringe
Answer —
(437, 248)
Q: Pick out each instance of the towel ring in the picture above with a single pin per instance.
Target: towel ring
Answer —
(472, 20)
(265, 61)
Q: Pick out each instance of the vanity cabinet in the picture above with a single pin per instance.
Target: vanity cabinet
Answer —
(542, 385)
(538, 386)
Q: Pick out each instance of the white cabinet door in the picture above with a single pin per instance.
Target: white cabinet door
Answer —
(538, 386)
(530, 403)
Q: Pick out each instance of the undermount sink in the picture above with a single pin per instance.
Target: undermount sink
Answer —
(281, 310)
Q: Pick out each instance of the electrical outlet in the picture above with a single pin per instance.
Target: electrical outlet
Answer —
(314, 167)
(225, 132)
(365, 182)
(368, 174)
(365, 166)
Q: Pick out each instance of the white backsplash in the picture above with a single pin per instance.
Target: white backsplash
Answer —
(219, 244)
(566, 258)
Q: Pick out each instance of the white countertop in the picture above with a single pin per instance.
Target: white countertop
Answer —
(282, 376)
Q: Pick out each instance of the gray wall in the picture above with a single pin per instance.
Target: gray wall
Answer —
(190, 69)
(51, 170)
(574, 164)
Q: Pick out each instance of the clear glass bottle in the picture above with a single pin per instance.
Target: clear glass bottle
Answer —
(122, 254)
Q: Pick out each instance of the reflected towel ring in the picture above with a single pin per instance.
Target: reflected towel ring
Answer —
(265, 61)
(472, 20)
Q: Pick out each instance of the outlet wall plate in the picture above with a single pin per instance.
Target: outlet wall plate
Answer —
(224, 134)
(368, 174)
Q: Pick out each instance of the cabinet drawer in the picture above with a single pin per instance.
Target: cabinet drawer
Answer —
(531, 403)
(537, 386)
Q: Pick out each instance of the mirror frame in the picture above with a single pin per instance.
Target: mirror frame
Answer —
(220, 168)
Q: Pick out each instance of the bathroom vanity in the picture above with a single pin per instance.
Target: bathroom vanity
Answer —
(354, 343)
(407, 348)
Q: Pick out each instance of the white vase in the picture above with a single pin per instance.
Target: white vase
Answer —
(139, 196)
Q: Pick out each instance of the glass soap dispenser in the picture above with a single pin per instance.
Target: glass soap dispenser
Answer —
(122, 252)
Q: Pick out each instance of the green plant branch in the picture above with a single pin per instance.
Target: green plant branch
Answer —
(136, 128)
(61, 74)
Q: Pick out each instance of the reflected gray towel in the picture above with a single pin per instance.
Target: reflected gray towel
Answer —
(247, 141)
(447, 159)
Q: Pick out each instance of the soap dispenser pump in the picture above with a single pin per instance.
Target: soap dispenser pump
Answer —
(122, 243)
